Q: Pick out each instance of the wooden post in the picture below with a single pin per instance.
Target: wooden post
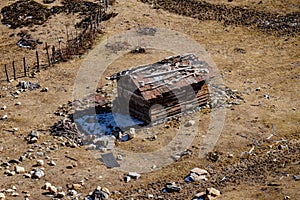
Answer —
(67, 37)
(14, 69)
(6, 73)
(24, 66)
(37, 61)
(49, 63)
(53, 54)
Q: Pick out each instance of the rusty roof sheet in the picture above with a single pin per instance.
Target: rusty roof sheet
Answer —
(168, 74)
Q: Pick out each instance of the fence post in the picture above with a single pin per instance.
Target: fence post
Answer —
(14, 69)
(48, 57)
(37, 60)
(24, 65)
(6, 73)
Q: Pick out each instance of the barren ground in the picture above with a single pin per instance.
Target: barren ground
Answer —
(270, 62)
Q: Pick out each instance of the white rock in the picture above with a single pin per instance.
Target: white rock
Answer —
(134, 175)
(199, 171)
(18, 103)
(47, 186)
(61, 195)
(213, 192)
(2, 196)
(40, 162)
(52, 163)
(190, 123)
(52, 189)
(72, 192)
(3, 107)
(4, 117)
(19, 170)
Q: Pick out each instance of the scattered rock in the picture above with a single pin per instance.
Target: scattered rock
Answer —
(72, 193)
(52, 189)
(38, 173)
(209, 194)
(197, 174)
(27, 175)
(39, 163)
(4, 117)
(134, 175)
(76, 186)
(46, 186)
(19, 170)
(190, 123)
(60, 195)
(28, 85)
(296, 178)
(171, 187)
(3, 107)
(132, 133)
(32, 137)
(2, 196)
(100, 193)
(127, 179)
(45, 89)
(18, 103)
(52, 163)
(213, 192)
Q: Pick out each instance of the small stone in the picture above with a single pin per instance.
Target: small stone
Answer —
(99, 194)
(38, 173)
(76, 186)
(52, 189)
(40, 163)
(14, 187)
(200, 195)
(266, 96)
(27, 175)
(171, 187)
(39, 153)
(72, 192)
(61, 195)
(18, 103)
(3, 107)
(199, 171)
(213, 192)
(9, 190)
(104, 189)
(119, 157)
(296, 178)
(52, 163)
(190, 123)
(4, 117)
(127, 179)
(230, 155)
(34, 134)
(15, 194)
(19, 170)
(2, 196)
(46, 186)
(10, 173)
(134, 175)
(45, 89)
(150, 196)
(132, 133)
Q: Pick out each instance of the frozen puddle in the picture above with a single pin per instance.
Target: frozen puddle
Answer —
(106, 123)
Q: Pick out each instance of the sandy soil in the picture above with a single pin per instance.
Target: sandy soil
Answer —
(270, 63)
